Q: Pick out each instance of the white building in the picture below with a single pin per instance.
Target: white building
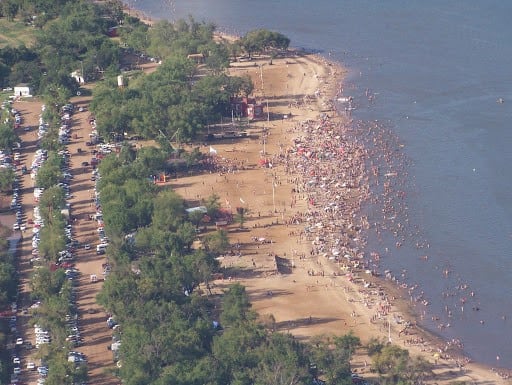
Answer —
(22, 90)
(77, 75)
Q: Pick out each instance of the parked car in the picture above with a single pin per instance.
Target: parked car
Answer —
(42, 370)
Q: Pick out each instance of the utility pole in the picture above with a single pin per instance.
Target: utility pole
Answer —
(389, 331)
(274, 193)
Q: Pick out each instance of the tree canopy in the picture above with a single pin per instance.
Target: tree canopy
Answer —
(262, 40)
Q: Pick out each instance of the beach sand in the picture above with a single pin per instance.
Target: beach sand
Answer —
(307, 294)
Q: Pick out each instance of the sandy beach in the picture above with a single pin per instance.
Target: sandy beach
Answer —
(301, 176)
(292, 275)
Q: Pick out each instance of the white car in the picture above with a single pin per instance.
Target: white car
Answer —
(31, 366)
(42, 370)
(19, 341)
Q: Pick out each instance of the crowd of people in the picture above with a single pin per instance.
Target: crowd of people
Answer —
(330, 171)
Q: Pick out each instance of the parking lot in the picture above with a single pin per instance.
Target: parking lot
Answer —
(87, 327)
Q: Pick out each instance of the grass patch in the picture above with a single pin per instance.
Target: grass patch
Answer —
(15, 33)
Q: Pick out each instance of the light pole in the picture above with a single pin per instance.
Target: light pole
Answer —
(389, 331)
(268, 114)
(274, 193)
(261, 77)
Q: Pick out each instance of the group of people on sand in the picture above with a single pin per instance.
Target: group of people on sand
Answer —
(328, 171)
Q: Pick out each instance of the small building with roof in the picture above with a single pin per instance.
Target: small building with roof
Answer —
(22, 90)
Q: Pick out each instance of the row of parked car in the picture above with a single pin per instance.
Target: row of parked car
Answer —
(64, 258)
(101, 248)
(16, 205)
(10, 158)
(65, 128)
(13, 160)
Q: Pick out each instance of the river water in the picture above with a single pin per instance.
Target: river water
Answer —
(428, 76)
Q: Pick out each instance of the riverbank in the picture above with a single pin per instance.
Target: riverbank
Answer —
(301, 295)
(311, 282)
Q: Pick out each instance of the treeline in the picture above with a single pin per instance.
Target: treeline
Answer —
(76, 37)
(8, 294)
(69, 36)
(54, 279)
(176, 101)
(35, 12)
(167, 103)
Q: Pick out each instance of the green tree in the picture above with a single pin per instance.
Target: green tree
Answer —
(264, 40)
(217, 56)
(127, 154)
(391, 363)
(134, 34)
(169, 210)
(45, 283)
(236, 307)
(149, 161)
(8, 282)
(7, 136)
(48, 175)
(236, 354)
(216, 242)
(418, 371)
(332, 356)
(196, 217)
(282, 361)
(212, 204)
(241, 215)
(52, 237)
(9, 9)
(51, 202)
(7, 176)
(347, 344)
(374, 346)
(237, 85)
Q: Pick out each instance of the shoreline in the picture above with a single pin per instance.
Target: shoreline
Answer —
(404, 306)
